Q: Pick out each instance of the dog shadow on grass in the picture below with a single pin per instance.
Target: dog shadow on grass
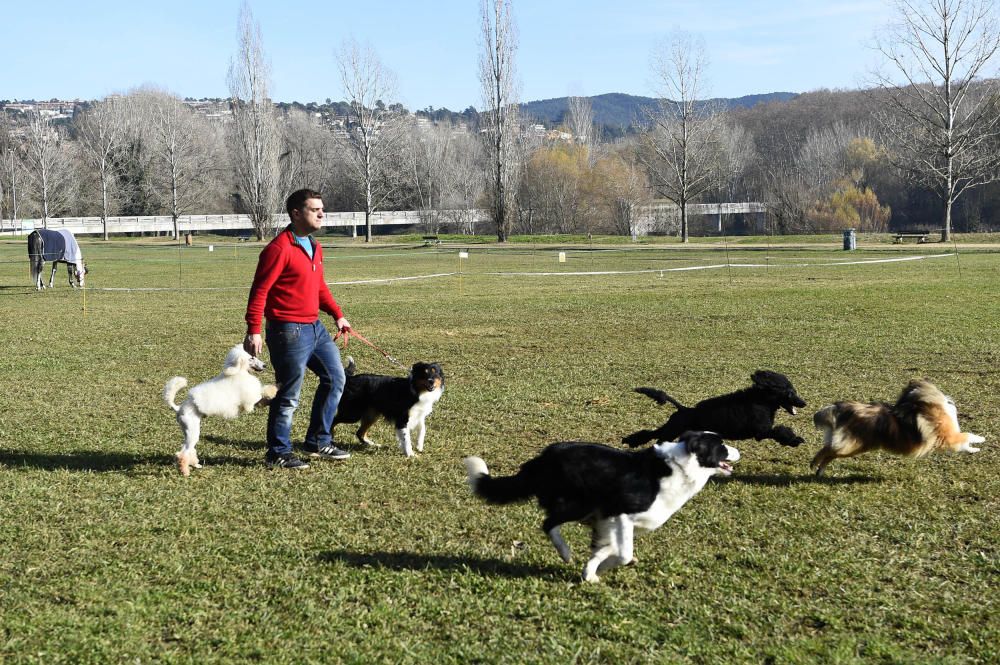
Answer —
(410, 561)
(105, 462)
(786, 480)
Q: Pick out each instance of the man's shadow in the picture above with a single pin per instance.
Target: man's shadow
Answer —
(247, 444)
(443, 562)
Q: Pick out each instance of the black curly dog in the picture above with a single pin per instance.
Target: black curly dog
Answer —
(744, 414)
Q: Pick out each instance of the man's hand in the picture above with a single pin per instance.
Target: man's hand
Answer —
(343, 325)
(253, 344)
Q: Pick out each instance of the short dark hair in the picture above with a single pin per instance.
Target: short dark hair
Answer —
(296, 200)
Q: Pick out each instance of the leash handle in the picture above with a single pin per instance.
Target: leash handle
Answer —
(347, 333)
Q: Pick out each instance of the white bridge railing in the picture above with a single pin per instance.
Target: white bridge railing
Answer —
(205, 223)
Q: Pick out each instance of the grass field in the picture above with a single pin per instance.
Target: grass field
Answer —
(107, 555)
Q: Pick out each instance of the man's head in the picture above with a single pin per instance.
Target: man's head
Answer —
(305, 208)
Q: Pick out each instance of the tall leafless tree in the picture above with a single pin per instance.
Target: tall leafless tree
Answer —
(622, 190)
(308, 153)
(10, 172)
(374, 130)
(48, 162)
(183, 145)
(464, 180)
(580, 123)
(426, 152)
(942, 109)
(100, 131)
(681, 148)
(498, 79)
(254, 128)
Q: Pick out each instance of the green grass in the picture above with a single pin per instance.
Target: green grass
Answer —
(108, 555)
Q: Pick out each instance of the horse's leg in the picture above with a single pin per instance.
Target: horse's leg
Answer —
(52, 277)
(69, 274)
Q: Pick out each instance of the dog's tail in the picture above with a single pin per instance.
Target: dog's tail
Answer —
(170, 391)
(659, 396)
(497, 490)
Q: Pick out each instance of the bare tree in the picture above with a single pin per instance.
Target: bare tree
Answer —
(10, 172)
(942, 112)
(737, 153)
(464, 180)
(580, 123)
(374, 130)
(499, 88)
(100, 132)
(681, 148)
(426, 151)
(308, 153)
(622, 189)
(182, 145)
(48, 162)
(254, 127)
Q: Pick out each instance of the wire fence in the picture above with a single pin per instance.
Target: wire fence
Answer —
(151, 267)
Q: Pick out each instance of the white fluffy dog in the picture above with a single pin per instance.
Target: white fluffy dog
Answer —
(232, 392)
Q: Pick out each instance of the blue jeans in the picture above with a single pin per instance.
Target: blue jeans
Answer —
(293, 347)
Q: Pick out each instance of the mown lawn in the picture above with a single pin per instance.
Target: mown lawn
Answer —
(108, 555)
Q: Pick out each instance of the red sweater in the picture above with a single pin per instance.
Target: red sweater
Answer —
(288, 285)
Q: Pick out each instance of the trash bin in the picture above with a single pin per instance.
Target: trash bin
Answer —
(850, 240)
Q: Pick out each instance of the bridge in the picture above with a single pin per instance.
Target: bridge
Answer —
(208, 223)
(163, 224)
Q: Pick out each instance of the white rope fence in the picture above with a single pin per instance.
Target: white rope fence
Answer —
(411, 278)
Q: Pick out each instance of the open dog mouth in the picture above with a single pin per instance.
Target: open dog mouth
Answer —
(725, 468)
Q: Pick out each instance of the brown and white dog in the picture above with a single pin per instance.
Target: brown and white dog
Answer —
(921, 421)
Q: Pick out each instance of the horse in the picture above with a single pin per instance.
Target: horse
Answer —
(58, 246)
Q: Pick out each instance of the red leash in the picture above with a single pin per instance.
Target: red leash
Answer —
(347, 333)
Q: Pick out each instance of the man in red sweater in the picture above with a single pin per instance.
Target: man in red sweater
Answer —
(289, 291)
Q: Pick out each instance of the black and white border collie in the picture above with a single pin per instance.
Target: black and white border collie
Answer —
(404, 401)
(613, 491)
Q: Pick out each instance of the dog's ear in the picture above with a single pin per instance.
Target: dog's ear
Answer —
(708, 447)
(241, 364)
(768, 380)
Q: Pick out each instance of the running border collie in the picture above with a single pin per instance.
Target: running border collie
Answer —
(921, 421)
(404, 401)
(744, 414)
(612, 491)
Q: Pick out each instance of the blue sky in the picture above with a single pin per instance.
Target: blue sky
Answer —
(88, 49)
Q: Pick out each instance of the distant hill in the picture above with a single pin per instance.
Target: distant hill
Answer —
(618, 111)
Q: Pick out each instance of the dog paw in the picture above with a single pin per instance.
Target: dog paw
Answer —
(591, 578)
(975, 438)
(182, 465)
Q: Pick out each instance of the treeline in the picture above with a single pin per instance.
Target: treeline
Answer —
(817, 159)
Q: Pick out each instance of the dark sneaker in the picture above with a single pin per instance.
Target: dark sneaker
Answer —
(286, 461)
(327, 452)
